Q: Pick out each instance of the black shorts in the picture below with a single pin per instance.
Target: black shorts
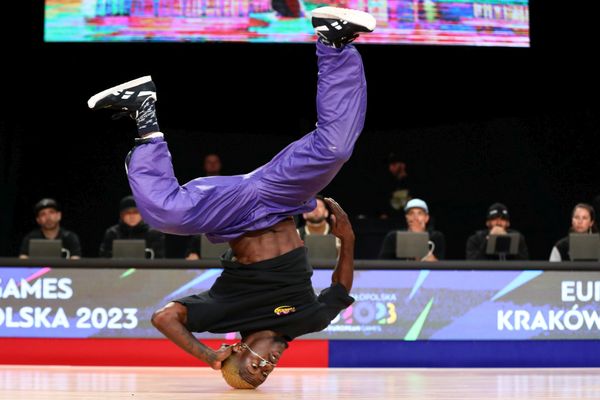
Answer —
(246, 297)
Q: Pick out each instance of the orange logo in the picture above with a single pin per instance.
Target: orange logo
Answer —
(284, 310)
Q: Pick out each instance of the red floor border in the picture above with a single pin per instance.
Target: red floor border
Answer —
(136, 352)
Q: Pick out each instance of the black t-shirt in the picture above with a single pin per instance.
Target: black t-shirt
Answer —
(70, 241)
(392, 195)
(275, 294)
(155, 240)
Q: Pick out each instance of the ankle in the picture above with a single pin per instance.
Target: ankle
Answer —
(152, 135)
(146, 120)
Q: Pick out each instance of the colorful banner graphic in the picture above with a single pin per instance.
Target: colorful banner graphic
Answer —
(455, 22)
(404, 305)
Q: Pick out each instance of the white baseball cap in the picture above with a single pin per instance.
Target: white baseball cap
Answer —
(416, 203)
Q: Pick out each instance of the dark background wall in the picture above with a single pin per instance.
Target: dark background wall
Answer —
(476, 125)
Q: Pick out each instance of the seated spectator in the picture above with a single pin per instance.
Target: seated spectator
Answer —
(198, 246)
(417, 218)
(583, 220)
(498, 223)
(212, 165)
(316, 222)
(131, 226)
(48, 217)
(193, 250)
(394, 190)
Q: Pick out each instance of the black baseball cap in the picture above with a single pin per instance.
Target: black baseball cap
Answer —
(126, 203)
(45, 203)
(498, 210)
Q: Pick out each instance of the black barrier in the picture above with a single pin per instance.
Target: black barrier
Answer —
(317, 264)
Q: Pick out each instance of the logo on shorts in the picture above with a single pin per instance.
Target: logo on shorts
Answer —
(284, 310)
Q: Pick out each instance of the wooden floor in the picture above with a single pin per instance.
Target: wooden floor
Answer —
(102, 383)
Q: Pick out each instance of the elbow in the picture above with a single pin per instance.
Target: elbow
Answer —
(159, 319)
(166, 316)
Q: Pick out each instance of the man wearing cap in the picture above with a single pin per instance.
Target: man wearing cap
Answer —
(417, 217)
(498, 223)
(48, 215)
(131, 226)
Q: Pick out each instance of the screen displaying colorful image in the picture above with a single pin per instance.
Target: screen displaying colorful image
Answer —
(398, 305)
(453, 22)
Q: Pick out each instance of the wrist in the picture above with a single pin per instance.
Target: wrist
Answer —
(348, 239)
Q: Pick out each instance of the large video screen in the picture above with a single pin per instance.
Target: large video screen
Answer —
(451, 22)
(401, 305)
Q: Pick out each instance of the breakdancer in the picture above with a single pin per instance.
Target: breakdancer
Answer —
(265, 290)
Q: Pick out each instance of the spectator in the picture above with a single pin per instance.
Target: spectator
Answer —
(48, 216)
(212, 165)
(192, 252)
(316, 222)
(498, 223)
(583, 220)
(417, 219)
(131, 226)
(395, 190)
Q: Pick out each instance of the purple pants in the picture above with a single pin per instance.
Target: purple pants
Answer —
(226, 207)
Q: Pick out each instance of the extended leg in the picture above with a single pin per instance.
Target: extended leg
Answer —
(306, 166)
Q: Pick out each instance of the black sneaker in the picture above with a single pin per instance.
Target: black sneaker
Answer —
(339, 26)
(127, 97)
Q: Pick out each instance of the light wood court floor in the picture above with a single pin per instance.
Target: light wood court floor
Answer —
(102, 383)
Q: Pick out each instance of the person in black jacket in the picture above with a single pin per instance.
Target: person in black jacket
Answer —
(131, 226)
(48, 216)
(498, 223)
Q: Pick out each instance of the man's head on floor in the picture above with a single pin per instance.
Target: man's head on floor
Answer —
(253, 359)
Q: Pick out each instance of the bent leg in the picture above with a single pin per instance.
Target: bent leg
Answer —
(203, 205)
(163, 203)
(306, 166)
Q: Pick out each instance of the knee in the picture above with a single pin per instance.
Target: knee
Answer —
(341, 154)
(331, 145)
(345, 154)
(172, 312)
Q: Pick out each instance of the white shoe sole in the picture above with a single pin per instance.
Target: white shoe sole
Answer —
(355, 17)
(97, 97)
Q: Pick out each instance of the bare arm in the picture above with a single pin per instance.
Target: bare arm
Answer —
(341, 227)
(171, 319)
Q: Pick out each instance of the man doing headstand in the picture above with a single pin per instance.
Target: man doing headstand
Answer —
(265, 291)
